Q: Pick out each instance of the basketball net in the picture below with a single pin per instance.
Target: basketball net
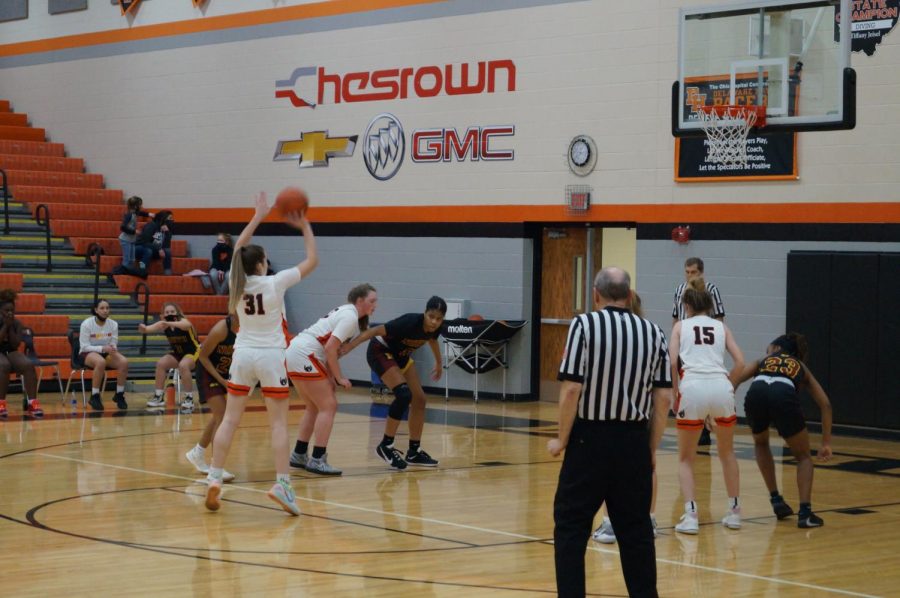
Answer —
(727, 128)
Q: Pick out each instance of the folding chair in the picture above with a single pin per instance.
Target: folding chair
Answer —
(478, 347)
(38, 363)
(79, 366)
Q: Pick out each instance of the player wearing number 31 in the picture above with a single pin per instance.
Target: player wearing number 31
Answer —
(258, 302)
(705, 391)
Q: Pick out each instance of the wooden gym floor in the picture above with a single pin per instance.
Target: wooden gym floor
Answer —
(106, 505)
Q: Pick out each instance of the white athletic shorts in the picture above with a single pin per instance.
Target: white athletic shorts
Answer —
(306, 359)
(250, 365)
(699, 398)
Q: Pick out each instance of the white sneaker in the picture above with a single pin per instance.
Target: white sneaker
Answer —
(187, 404)
(156, 402)
(198, 460)
(732, 520)
(688, 524)
(284, 495)
(604, 534)
(227, 476)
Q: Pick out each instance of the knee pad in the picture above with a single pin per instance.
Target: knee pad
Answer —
(402, 399)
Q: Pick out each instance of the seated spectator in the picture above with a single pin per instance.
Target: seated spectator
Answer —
(99, 341)
(13, 360)
(128, 236)
(220, 264)
(185, 349)
(155, 242)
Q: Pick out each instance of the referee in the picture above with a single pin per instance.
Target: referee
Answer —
(615, 373)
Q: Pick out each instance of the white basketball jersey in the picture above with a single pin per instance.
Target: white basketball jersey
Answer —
(261, 311)
(341, 322)
(702, 347)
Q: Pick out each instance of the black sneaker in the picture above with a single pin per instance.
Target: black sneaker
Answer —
(809, 520)
(420, 458)
(391, 456)
(781, 508)
(119, 400)
(95, 403)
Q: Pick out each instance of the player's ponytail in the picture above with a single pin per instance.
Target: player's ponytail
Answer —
(244, 263)
(697, 297)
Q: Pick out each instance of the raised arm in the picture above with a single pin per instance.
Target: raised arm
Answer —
(309, 243)
(261, 211)
(821, 399)
(218, 333)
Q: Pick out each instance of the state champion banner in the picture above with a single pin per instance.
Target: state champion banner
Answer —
(771, 156)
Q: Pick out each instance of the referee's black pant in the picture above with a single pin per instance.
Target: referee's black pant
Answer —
(605, 461)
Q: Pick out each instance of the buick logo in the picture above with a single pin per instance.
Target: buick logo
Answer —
(383, 146)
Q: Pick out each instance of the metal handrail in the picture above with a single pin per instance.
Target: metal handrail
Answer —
(96, 250)
(134, 297)
(45, 223)
(5, 202)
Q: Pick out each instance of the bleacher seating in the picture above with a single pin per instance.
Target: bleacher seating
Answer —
(11, 280)
(170, 285)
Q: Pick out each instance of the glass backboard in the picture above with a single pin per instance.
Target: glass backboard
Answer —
(792, 57)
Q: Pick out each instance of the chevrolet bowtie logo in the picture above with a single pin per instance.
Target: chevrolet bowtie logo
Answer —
(315, 149)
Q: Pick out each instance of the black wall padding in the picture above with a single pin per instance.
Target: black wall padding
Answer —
(888, 387)
(854, 337)
(809, 312)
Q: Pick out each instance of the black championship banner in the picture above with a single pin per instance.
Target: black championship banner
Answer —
(871, 21)
(770, 156)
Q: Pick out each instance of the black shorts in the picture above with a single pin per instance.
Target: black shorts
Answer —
(381, 360)
(775, 403)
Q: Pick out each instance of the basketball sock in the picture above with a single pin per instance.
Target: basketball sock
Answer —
(95, 391)
(387, 440)
(301, 447)
(414, 445)
(189, 395)
(690, 507)
(805, 509)
(199, 449)
(157, 393)
(318, 452)
(774, 494)
(119, 389)
(215, 473)
(283, 478)
(733, 503)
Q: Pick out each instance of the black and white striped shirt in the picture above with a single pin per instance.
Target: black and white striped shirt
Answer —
(618, 358)
(718, 310)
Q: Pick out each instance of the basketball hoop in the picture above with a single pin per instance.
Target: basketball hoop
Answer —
(726, 129)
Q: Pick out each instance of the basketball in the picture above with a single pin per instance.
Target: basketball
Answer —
(291, 199)
(476, 318)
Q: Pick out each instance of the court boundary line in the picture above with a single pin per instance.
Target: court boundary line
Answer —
(775, 580)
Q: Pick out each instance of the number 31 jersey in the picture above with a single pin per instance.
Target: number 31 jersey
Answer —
(702, 346)
(261, 311)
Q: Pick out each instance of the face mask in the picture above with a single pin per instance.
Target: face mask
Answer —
(171, 318)
(100, 318)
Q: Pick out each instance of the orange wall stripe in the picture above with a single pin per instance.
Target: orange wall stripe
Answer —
(231, 21)
(822, 213)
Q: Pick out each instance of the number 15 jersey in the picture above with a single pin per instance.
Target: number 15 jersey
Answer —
(260, 311)
(702, 347)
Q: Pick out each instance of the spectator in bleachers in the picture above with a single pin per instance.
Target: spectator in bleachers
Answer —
(13, 360)
(220, 264)
(128, 236)
(99, 342)
(185, 349)
(155, 242)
